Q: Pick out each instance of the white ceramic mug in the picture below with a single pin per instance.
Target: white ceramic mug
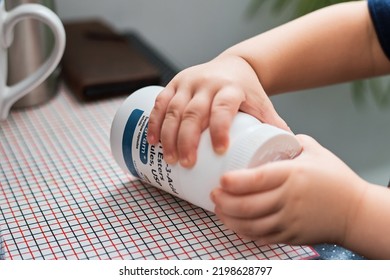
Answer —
(8, 19)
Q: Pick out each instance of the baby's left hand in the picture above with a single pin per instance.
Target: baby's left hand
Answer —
(307, 200)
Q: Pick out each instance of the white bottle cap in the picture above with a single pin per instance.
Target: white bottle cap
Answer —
(260, 144)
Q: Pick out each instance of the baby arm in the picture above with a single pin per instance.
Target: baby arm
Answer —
(331, 45)
(311, 199)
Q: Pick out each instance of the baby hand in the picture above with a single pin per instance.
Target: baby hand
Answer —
(207, 95)
(307, 200)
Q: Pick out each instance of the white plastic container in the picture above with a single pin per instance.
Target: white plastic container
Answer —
(251, 143)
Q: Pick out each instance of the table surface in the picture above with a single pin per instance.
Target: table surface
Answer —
(63, 197)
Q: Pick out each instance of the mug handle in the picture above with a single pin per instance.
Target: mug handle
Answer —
(47, 16)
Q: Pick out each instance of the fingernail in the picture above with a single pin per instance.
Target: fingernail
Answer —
(151, 139)
(169, 158)
(212, 196)
(221, 149)
(188, 161)
(185, 162)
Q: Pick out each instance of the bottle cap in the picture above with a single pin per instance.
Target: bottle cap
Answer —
(261, 144)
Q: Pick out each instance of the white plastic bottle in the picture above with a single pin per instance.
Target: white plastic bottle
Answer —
(251, 143)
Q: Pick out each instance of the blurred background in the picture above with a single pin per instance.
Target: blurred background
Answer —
(192, 32)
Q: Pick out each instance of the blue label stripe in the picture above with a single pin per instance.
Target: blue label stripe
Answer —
(127, 141)
(143, 151)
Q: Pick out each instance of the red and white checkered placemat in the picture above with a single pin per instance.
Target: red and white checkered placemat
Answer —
(62, 196)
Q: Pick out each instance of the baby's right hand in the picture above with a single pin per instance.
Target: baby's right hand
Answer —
(207, 95)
